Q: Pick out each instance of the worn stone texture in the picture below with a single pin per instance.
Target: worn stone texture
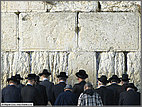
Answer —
(110, 63)
(119, 64)
(55, 62)
(82, 60)
(106, 64)
(47, 31)
(134, 68)
(96, 32)
(9, 31)
(3, 6)
(12, 63)
(26, 6)
(72, 6)
(132, 6)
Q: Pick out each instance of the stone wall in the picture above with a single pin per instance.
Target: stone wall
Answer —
(102, 37)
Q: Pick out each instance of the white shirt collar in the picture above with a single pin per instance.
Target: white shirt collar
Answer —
(45, 79)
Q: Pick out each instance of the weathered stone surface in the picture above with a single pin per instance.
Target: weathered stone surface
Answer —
(26, 6)
(47, 31)
(55, 62)
(120, 5)
(119, 64)
(82, 60)
(134, 68)
(109, 31)
(3, 6)
(106, 64)
(110, 63)
(72, 6)
(12, 63)
(9, 31)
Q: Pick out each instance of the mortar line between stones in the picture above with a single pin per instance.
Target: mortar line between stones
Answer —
(77, 28)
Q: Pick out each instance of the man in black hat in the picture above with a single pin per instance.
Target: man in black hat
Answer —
(105, 93)
(66, 97)
(58, 88)
(130, 96)
(42, 92)
(124, 81)
(29, 93)
(49, 85)
(11, 94)
(79, 87)
(117, 89)
(19, 85)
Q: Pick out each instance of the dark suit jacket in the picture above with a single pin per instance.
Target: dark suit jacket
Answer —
(130, 97)
(58, 88)
(117, 89)
(30, 95)
(78, 88)
(66, 98)
(49, 91)
(11, 94)
(42, 94)
(106, 95)
(124, 87)
(20, 86)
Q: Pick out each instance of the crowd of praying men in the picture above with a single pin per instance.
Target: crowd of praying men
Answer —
(118, 92)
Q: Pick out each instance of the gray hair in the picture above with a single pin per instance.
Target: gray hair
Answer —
(89, 85)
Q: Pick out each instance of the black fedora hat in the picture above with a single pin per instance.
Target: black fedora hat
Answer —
(45, 72)
(82, 74)
(103, 79)
(125, 77)
(114, 77)
(18, 77)
(131, 85)
(37, 79)
(12, 78)
(62, 74)
(31, 76)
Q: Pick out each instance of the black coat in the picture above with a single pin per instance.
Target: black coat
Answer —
(30, 95)
(42, 94)
(66, 98)
(124, 87)
(117, 89)
(11, 94)
(78, 88)
(58, 88)
(49, 90)
(130, 97)
(106, 95)
(20, 86)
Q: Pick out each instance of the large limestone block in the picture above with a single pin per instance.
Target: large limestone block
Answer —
(9, 31)
(134, 68)
(82, 60)
(72, 6)
(108, 31)
(119, 64)
(106, 64)
(26, 6)
(120, 5)
(110, 63)
(55, 62)
(12, 63)
(47, 31)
